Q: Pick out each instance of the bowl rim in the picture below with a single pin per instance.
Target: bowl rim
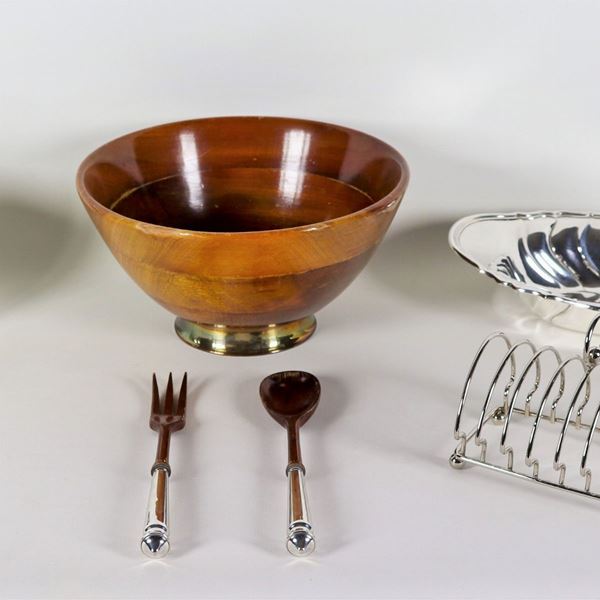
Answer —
(387, 202)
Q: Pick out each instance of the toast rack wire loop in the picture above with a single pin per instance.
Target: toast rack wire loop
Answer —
(521, 363)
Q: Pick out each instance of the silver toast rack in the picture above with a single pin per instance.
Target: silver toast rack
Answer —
(527, 395)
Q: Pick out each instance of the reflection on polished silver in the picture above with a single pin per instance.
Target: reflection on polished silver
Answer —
(549, 255)
(539, 402)
(300, 539)
(155, 541)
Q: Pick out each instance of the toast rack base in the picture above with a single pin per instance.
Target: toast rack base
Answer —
(458, 460)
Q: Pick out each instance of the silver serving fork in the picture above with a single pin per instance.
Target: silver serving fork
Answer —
(163, 419)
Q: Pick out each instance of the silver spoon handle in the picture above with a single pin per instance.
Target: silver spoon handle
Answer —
(300, 538)
(155, 540)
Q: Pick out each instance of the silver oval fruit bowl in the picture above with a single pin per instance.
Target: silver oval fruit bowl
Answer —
(554, 256)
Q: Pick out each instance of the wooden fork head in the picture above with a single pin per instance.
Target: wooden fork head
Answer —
(167, 414)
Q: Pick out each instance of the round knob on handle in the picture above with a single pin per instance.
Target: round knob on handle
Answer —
(155, 544)
(301, 541)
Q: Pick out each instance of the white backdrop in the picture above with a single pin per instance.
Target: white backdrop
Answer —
(494, 105)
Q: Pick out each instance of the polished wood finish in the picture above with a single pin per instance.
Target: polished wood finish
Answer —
(291, 398)
(243, 221)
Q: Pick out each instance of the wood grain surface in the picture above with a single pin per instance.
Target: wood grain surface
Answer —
(243, 221)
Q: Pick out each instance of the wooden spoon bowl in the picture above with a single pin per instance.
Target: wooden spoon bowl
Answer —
(290, 396)
(243, 227)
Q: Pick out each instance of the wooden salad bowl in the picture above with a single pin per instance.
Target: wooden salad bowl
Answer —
(243, 227)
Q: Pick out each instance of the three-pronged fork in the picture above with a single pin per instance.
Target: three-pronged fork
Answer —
(164, 419)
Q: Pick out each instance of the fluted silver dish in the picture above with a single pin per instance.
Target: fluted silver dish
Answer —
(552, 256)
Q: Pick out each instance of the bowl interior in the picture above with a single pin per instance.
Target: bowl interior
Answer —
(236, 174)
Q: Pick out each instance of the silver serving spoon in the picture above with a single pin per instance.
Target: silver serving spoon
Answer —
(291, 397)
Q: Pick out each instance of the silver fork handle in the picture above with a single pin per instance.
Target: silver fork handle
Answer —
(300, 539)
(155, 541)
